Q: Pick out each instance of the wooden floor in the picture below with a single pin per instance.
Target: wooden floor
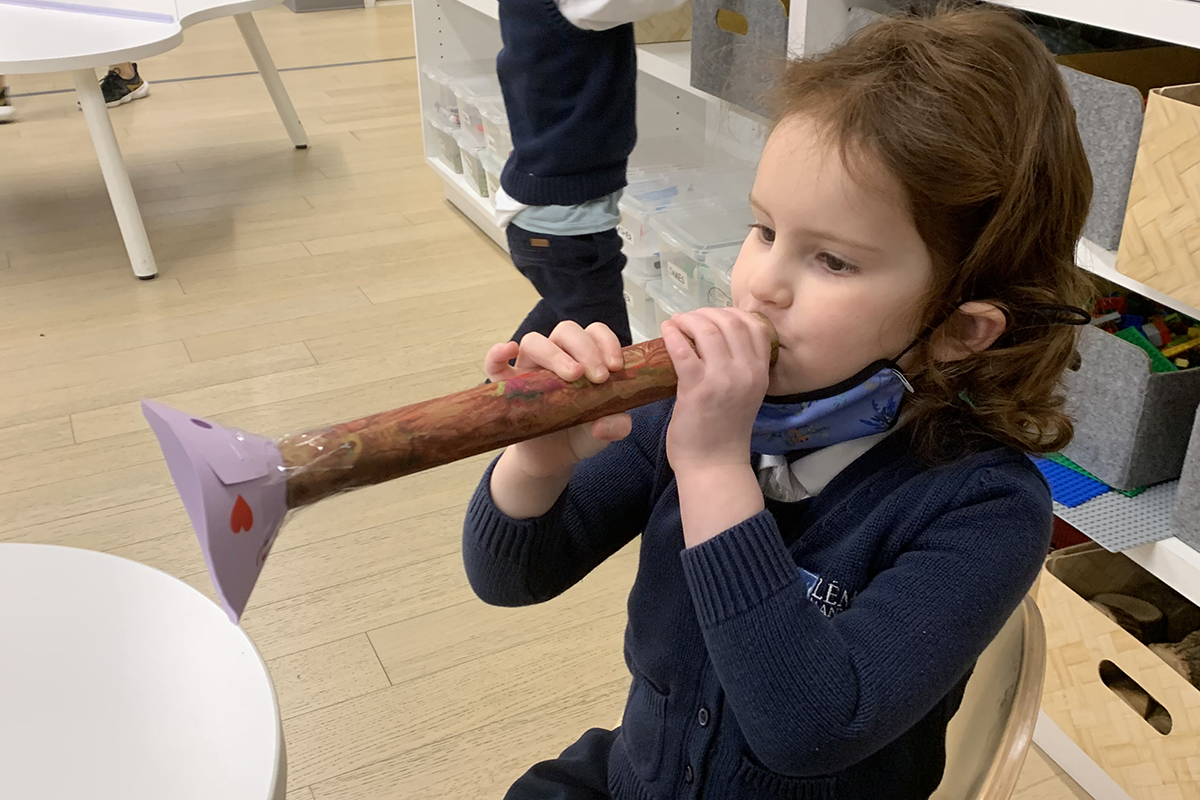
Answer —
(296, 288)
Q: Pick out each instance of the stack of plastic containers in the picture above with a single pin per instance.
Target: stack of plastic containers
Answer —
(682, 228)
(469, 93)
(495, 127)
(454, 95)
(438, 84)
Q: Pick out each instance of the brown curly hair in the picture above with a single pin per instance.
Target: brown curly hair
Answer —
(968, 111)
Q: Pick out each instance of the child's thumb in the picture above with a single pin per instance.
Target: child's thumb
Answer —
(612, 428)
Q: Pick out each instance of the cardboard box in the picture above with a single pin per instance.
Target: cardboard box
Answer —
(673, 26)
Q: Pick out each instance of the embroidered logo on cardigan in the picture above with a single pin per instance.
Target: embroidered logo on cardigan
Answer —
(829, 596)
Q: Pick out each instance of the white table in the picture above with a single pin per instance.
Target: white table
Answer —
(34, 40)
(119, 682)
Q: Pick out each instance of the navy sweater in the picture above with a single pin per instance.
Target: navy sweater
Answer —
(570, 95)
(747, 680)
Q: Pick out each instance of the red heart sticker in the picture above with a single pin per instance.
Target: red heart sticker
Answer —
(242, 518)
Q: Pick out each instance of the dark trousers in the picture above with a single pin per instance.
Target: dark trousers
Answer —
(580, 773)
(578, 277)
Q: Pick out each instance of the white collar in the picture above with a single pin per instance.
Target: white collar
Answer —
(808, 475)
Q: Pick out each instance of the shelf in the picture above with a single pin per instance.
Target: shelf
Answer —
(670, 62)
(489, 8)
(1101, 262)
(1126, 524)
(478, 209)
(1174, 563)
(1176, 21)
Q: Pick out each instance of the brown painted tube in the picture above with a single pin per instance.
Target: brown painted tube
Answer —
(424, 435)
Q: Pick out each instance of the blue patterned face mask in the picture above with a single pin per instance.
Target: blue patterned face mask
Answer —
(865, 404)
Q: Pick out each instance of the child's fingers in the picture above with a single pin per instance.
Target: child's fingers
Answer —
(687, 363)
(747, 337)
(761, 333)
(495, 363)
(538, 351)
(579, 345)
(610, 345)
(705, 333)
(612, 428)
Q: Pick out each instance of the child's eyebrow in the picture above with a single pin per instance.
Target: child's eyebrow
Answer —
(757, 206)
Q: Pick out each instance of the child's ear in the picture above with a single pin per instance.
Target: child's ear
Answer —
(973, 327)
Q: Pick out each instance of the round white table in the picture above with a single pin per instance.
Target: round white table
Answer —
(45, 36)
(119, 682)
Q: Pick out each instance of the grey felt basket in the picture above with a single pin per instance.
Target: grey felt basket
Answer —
(739, 67)
(1109, 117)
(1186, 518)
(1131, 425)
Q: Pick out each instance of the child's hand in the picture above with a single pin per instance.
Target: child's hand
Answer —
(722, 382)
(570, 352)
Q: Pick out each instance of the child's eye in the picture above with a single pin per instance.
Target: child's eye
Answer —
(835, 264)
(765, 233)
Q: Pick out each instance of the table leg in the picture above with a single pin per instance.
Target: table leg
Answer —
(116, 177)
(1073, 761)
(270, 76)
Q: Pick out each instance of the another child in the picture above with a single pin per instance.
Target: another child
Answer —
(568, 71)
(827, 545)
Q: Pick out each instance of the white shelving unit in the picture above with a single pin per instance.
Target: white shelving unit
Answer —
(1102, 263)
(456, 30)
(1175, 21)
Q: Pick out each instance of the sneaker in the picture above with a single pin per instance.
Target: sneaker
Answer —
(7, 112)
(118, 91)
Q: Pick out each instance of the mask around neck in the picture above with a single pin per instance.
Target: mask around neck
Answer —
(862, 405)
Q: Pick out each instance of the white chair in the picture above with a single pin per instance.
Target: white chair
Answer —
(988, 738)
(120, 682)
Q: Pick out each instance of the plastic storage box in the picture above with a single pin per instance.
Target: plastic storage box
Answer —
(667, 303)
(652, 192)
(688, 235)
(638, 301)
(714, 280)
(1131, 425)
(492, 167)
(645, 266)
(445, 146)
(472, 163)
(438, 82)
(469, 93)
(495, 128)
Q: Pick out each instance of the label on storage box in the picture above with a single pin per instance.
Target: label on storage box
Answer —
(624, 233)
(678, 275)
(628, 300)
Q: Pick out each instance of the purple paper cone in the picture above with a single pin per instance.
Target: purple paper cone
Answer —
(234, 490)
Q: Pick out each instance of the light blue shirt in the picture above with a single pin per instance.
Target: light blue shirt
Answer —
(593, 216)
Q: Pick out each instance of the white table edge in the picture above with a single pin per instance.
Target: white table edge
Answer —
(103, 59)
(279, 769)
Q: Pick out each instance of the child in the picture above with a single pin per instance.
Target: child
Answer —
(830, 543)
(568, 72)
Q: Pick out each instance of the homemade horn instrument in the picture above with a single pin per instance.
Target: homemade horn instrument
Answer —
(238, 487)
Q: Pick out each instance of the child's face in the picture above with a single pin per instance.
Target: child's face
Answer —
(837, 266)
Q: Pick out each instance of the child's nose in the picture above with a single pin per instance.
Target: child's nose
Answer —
(769, 285)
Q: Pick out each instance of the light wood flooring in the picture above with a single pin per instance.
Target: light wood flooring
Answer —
(296, 289)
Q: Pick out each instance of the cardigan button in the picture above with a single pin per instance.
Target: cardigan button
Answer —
(689, 775)
(702, 717)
